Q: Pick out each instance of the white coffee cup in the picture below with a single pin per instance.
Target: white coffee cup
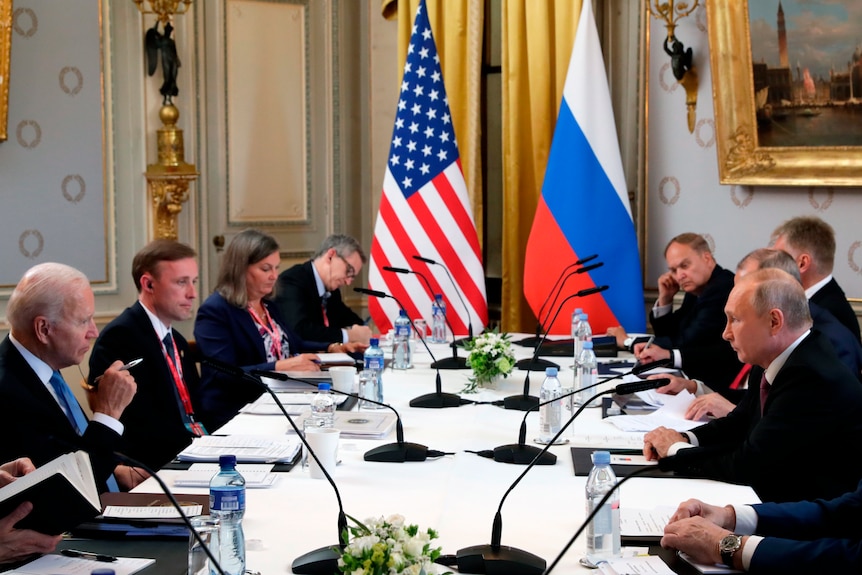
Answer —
(324, 443)
(343, 377)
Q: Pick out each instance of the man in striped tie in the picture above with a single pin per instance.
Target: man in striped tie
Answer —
(51, 313)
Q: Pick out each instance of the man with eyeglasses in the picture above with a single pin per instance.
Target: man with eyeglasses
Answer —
(309, 297)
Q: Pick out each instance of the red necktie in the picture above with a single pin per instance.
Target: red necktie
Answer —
(764, 392)
(740, 377)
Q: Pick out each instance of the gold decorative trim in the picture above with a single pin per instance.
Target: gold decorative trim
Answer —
(5, 57)
(740, 159)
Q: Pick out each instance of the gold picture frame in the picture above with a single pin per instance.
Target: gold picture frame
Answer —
(740, 158)
(5, 55)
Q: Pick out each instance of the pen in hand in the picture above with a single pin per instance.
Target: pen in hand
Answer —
(124, 367)
(88, 555)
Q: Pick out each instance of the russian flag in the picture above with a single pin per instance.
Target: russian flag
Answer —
(584, 207)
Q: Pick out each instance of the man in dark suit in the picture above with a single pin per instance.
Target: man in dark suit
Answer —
(51, 314)
(160, 421)
(801, 537)
(812, 404)
(811, 242)
(683, 334)
(309, 298)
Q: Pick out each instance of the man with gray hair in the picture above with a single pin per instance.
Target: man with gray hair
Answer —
(51, 314)
(808, 403)
(811, 242)
(309, 298)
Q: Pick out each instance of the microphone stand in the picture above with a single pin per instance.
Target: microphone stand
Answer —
(438, 399)
(397, 452)
(454, 362)
(525, 401)
(457, 292)
(502, 559)
(540, 320)
(322, 561)
(522, 454)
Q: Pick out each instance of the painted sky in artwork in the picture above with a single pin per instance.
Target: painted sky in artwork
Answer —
(821, 34)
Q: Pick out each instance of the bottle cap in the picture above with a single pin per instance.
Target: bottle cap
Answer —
(227, 460)
(584, 317)
(403, 313)
(601, 457)
(324, 386)
(374, 342)
(579, 310)
(438, 296)
(551, 372)
(588, 345)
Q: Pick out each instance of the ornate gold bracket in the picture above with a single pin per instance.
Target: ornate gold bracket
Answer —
(168, 180)
(681, 59)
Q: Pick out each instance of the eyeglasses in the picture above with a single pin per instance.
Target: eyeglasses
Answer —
(351, 271)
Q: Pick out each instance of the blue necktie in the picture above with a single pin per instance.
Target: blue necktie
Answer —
(75, 414)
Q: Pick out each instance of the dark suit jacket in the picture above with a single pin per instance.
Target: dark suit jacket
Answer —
(154, 421)
(695, 329)
(33, 424)
(228, 334)
(832, 297)
(810, 536)
(845, 344)
(813, 415)
(300, 306)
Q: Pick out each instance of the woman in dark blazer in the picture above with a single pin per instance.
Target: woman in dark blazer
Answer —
(239, 326)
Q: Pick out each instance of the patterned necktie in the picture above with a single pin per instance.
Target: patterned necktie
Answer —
(323, 301)
(764, 392)
(75, 414)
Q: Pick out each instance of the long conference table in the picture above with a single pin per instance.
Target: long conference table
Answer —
(458, 494)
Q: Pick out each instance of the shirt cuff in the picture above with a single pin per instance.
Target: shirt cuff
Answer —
(661, 310)
(677, 447)
(109, 422)
(677, 358)
(748, 551)
(702, 388)
(344, 338)
(692, 439)
(746, 519)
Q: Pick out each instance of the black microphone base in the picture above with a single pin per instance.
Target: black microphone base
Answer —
(323, 561)
(502, 560)
(450, 363)
(397, 453)
(538, 364)
(437, 400)
(521, 402)
(520, 454)
(529, 341)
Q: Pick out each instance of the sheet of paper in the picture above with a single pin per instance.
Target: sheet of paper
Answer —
(53, 564)
(610, 440)
(638, 460)
(644, 522)
(247, 448)
(648, 565)
(199, 475)
(670, 415)
(149, 512)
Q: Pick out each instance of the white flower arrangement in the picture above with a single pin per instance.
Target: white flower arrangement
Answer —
(490, 356)
(387, 547)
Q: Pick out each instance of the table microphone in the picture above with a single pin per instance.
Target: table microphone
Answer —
(522, 454)
(532, 341)
(525, 401)
(397, 452)
(438, 399)
(322, 561)
(454, 362)
(498, 559)
(457, 292)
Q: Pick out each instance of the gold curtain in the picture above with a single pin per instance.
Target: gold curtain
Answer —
(537, 45)
(458, 28)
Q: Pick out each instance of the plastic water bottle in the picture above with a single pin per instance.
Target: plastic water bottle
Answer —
(323, 406)
(438, 320)
(550, 415)
(586, 373)
(401, 346)
(603, 532)
(374, 361)
(227, 504)
(576, 319)
(585, 333)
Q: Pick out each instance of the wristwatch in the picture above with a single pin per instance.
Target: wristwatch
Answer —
(628, 343)
(729, 545)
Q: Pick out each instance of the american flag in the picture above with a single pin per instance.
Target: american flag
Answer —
(425, 209)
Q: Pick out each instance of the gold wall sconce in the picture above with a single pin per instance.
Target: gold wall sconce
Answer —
(169, 178)
(681, 58)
